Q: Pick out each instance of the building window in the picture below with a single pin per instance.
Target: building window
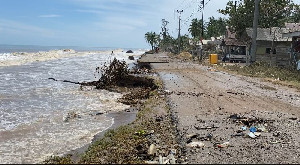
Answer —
(269, 50)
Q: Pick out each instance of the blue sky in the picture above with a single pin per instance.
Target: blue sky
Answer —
(94, 23)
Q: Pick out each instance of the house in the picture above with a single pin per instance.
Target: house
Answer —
(233, 49)
(294, 33)
(272, 46)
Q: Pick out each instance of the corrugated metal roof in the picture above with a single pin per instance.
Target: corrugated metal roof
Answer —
(268, 34)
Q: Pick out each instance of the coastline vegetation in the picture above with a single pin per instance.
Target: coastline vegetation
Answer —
(278, 75)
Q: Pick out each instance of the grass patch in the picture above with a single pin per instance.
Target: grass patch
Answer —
(59, 160)
(283, 76)
(123, 145)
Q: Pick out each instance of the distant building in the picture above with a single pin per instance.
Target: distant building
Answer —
(272, 46)
(294, 33)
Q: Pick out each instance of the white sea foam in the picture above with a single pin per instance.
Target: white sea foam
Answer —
(32, 106)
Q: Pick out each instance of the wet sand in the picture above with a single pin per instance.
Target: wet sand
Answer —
(120, 118)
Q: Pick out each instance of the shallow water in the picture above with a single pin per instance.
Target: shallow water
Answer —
(33, 107)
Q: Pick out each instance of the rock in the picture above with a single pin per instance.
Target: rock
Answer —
(131, 58)
(195, 144)
(129, 51)
(152, 150)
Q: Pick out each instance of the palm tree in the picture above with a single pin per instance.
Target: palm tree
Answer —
(196, 28)
(152, 38)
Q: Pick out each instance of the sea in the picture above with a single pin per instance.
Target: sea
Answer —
(34, 108)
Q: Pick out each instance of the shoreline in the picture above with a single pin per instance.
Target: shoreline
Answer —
(120, 119)
(151, 122)
(117, 122)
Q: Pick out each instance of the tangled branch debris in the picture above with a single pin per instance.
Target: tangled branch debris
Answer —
(117, 75)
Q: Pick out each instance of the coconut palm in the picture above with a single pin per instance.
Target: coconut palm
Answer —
(152, 38)
(196, 28)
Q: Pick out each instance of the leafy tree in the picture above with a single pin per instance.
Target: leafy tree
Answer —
(215, 27)
(295, 15)
(152, 38)
(273, 13)
(196, 28)
(185, 42)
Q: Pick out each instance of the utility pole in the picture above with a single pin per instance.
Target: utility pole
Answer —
(202, 32)
(254, 32)
(179, 38)
(235, 6)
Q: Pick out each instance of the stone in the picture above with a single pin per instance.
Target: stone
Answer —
(152, 150)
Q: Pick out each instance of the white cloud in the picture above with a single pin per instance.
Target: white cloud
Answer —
(49, 16)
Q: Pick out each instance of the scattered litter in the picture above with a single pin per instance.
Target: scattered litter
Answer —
(253, 129)
(209, 136)
(195, 144)
(224, 145)
(257, 134)
(206, 127)
(261, 128)
(244, 128)
(252, 135)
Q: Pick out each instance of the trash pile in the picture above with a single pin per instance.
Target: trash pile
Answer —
(259, 131)
(250, 127)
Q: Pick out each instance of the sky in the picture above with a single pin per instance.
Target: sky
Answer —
(96, 23)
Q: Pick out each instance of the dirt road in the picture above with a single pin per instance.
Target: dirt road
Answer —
(211, 108)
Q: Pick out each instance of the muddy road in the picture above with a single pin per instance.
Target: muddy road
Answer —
(215, 110)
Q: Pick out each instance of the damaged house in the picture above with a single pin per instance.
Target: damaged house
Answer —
(272, 46)
(294, 33)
